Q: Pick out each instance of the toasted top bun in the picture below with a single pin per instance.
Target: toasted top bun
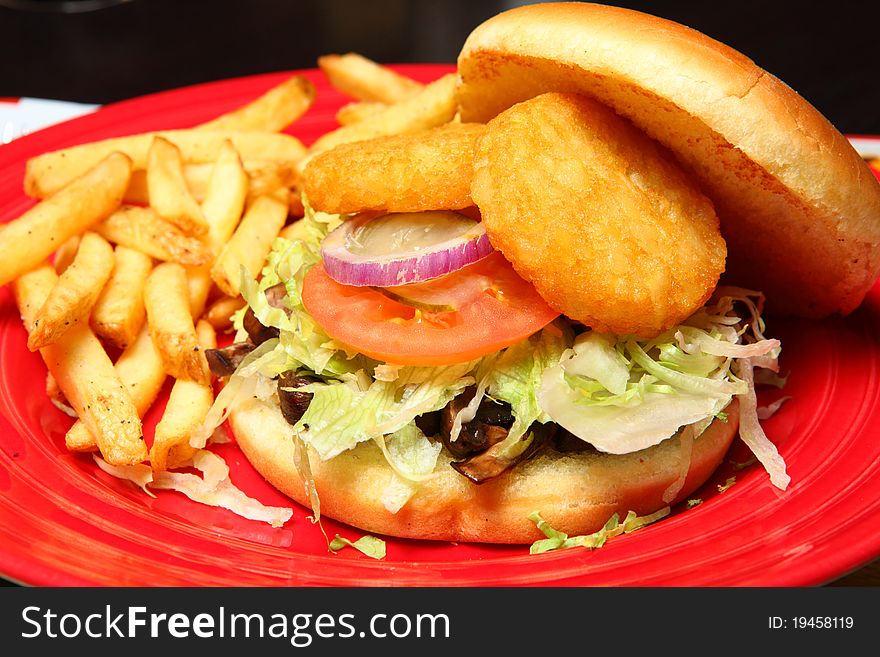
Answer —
(575, 492)
(799, 208)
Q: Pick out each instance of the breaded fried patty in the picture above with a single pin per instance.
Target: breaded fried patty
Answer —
(602, 221)
(429, 170)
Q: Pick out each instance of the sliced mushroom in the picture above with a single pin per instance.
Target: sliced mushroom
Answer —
(294, 403)
(257, 332)
(503, 455)
(223, 362)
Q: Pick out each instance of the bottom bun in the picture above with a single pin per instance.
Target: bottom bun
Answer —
(575, 492)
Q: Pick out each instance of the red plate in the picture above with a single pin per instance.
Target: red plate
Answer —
(64, 522)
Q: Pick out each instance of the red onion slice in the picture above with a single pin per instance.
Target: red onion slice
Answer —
(401, 248)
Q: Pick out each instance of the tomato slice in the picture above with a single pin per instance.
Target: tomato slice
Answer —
(387, 330)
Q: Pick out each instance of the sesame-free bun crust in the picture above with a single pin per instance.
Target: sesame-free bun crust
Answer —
(799, 208)
(575, 493)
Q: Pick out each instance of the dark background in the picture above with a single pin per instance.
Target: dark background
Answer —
(828, 51)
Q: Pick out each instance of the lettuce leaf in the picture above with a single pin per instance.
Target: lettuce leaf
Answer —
(517, 375)
(631, 394)
(213, 488)
(413, 457)
(557, 540)
(369, 545)
(340, 415)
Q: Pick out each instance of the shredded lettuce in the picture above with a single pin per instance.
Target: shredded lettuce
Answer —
(515, 376)
(304, 468)
(213, 488)
(413, 457)
(139, 474)
(686, 446)
(620, 429)
(620, 394)
(557, 540)
(518, 373)
(722, 488)
(369, 545)
(302, 343)
(768, 411)
(596, 358)
(246, 382)
(752, 433)
(340, 415)
(632, 394)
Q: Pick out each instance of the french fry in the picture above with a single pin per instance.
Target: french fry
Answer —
(268, 180)
(166, 298)
(85, 375)
(169, 196)
(142, 373)
(59, 401)
(250, 244)
(219, 314)
(260, 173)
(365, 79)
(35, 235)
(145, 231)
(273, 111)
(198, 286)
(47, 173)
(76, 291)
(294, 231)
(53, 392)
(358, 111)
(65, 254)
(225, 196)
(118, 314)
(280, 194)
(185, 411)
(432, 106)
(222, 207)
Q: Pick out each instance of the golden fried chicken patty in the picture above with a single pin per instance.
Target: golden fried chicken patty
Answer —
(596, 216)
(429, 170)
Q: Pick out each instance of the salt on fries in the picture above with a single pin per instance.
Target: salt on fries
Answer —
(150, 234)
(142, 374)
(169, 194)
(85, 374)
(145, 231)
(75, 292)
(118, 314)
(34, 236)
(166, 297)
(432, 106)
(250, 244)
(47, 173)
(261, 174)
(185, 411)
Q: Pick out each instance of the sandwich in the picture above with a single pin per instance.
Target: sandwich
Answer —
(552, 309)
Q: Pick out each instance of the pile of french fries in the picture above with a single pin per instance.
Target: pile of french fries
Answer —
(131, 261)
